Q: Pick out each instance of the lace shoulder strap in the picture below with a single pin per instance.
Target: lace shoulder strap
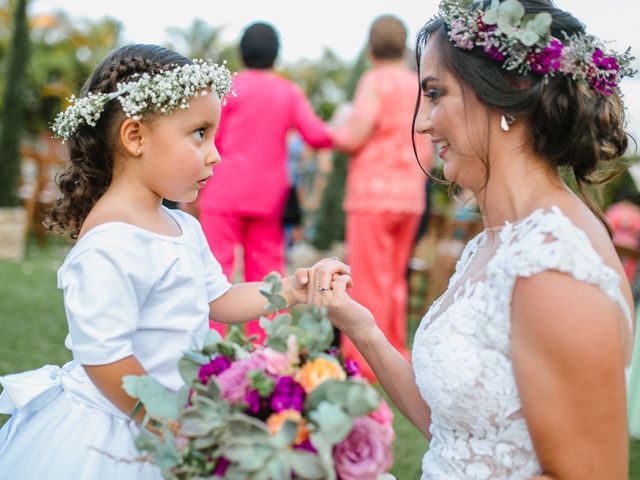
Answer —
(548, 240)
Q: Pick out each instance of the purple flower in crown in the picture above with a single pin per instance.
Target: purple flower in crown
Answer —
(287, 395)
(548, 60)
(494, 52)
(215, 367)
(604, 63)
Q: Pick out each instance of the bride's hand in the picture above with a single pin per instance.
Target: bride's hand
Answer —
(306, 284)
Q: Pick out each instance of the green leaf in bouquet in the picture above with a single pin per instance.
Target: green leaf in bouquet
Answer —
(332, 421)
(287, 434)
(279, 466)
(277, 343)
(202, 443)
(164, 453)
(158, 402)
(241, 425)
(306, 465)
(261, 382)
(188, 370)
(315, 332)
(249, 455)
(212, 338)
(361, 400)
(196, 357)
(202, 418)
(325, 453)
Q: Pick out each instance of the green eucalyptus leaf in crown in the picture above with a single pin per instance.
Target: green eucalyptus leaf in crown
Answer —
(523, 43)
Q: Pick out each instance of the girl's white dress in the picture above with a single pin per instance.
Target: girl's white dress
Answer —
(127, 291)
(462, 350)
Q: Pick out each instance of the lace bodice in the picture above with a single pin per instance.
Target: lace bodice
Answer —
(461, 353)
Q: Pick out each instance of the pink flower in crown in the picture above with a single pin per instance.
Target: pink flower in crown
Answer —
(384, 416)
(275, 363)
(365, 453)
(234, 381)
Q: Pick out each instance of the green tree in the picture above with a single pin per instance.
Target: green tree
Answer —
(13, 111)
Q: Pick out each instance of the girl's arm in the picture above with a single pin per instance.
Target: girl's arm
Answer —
(392, 370)
(108, 379)
(244, 302)
(569, 368)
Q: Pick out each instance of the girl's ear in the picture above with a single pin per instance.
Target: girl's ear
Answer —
(130, 134)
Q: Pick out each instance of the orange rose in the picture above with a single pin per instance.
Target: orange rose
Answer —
(314, 372)
(275, 421)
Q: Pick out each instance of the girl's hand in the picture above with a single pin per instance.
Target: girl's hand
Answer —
(306, 284)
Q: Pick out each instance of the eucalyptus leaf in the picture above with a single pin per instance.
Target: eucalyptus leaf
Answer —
(158, 402)
(333, 422)
(490, 16)
(540, 24)
(196, 357)
(527, 37)
(279, 467)
(212, 338)
(325, 453)
(287, 434)
(188, 370)
(306, 465)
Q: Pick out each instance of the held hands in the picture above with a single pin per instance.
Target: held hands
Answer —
(325, 284)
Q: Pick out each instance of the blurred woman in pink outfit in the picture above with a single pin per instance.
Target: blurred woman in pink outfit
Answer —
(385, 193)
(624, 218)
(243, 203)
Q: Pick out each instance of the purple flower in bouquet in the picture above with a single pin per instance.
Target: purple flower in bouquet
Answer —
(365, 453)
(253, 400)
(221, 467)
(306, 445)
(287, 395)
(352, 367)
(215, 367)
(234, 381)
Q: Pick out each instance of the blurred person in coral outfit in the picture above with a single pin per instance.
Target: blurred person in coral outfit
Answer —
(385, 194)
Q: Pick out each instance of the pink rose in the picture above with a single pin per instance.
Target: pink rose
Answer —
(275, 363)
(384, 416)
(365, 453)
(234, 381)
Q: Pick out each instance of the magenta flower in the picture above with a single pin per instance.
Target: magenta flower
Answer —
(215, 367)
(548, 59)
(221, 467)
(287, 395)
(365, 453)
(494, 52)
(254, 401)
(352, 367)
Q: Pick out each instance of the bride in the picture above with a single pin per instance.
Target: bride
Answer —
(519, 368)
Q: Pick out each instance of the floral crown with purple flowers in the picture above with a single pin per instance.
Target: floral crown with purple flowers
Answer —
(523, 43)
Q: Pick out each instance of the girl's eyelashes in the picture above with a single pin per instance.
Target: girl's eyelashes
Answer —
(199, 133)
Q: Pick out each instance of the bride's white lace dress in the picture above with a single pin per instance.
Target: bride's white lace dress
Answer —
(461, 352)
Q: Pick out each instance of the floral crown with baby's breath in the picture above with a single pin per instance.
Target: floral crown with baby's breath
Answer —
(162, 92)
(523, 43)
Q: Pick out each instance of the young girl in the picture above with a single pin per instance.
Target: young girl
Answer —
(140, 283)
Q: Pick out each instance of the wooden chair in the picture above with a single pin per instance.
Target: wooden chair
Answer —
(37, 185)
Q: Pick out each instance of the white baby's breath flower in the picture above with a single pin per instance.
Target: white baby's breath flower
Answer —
(164, 92)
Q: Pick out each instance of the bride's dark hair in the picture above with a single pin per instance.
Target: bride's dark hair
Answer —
(568, 124)
(91, 150)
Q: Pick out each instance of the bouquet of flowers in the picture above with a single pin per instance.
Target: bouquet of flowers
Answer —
(291, 409)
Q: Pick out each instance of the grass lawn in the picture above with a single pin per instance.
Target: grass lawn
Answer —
(33, 327)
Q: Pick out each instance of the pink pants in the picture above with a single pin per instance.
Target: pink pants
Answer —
(262, 240)
(378, 246)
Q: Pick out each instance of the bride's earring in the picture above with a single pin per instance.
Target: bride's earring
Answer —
(505, 121)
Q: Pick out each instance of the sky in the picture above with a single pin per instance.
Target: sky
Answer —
(306, 27)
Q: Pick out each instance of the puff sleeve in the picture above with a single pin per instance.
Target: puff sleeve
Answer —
(104, 288)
